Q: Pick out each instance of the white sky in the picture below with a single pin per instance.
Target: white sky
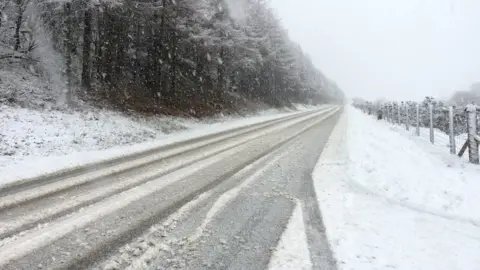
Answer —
(396, 49)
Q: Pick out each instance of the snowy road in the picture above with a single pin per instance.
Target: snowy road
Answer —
(215, 202)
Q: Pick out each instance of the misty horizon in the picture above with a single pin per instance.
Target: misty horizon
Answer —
(380, 49)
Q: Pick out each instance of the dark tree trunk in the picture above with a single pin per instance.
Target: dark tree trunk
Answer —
(87, 43)
(137, 67)
(164, 70)
(98, 47)
(221, 71)
(173, 71)
(18, 24)
(69, 48)
(109, 47)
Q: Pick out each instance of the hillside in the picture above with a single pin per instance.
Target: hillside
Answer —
(185, 57)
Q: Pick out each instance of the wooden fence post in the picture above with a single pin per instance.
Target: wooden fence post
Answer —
(451, 124)
(472, 134)
(407, 119)
(418, 119)
(398, 113)
(390, 108)
(387, 113)
(430, 111)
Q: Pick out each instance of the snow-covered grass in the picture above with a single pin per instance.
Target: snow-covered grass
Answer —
(26, 132)
(441, 139)
(34, 142)
(25, 87)
(390, 200)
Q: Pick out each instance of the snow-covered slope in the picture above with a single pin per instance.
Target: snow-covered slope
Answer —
(27, 132)
(391, 201)
(26, 88)
(39, 141)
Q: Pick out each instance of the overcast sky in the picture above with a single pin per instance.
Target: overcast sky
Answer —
(397, 49)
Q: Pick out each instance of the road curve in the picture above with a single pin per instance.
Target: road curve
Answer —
(214, 202)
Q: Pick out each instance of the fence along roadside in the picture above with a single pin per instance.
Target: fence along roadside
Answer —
(445, 125)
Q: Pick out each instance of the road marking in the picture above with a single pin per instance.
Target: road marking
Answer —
(292, 250)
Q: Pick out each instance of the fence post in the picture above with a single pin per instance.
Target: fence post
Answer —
(390, 112)
(386, 113)
(430, 111)
(398, 112)
(392, 119)
(418, 119)
(451, 125)
(472, 133)
(407, 119)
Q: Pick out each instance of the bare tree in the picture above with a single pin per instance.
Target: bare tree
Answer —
(87, 43)
(21, 6)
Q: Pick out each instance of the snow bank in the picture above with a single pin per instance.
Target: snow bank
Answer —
(410, 171)
(34, 142)
(391, 201)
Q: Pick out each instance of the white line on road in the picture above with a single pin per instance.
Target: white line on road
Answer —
(292, 250)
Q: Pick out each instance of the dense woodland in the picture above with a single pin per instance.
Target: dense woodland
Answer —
(196, 57)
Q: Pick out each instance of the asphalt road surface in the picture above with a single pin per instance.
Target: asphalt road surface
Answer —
(217, 202)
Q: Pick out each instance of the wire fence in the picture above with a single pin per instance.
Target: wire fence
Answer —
(450, 128)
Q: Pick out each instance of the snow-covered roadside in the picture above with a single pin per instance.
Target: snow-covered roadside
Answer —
(441, 140)
(292, 250)
(26, 132)
(389, 201)
(34, 142)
